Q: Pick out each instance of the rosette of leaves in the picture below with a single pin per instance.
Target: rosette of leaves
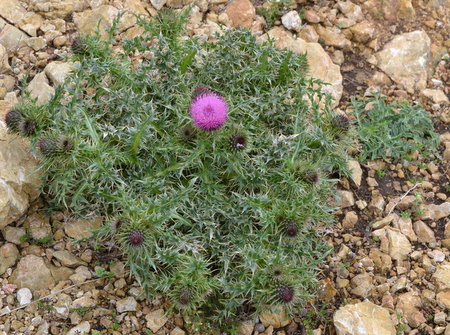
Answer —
(203, 212)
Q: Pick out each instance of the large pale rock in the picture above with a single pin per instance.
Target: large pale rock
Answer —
(350, 10)
(12, 10)
(4, 63)
(405, 226)
(292, 21)
(362, 285)
(79, 229)
(405, 59)
(333, 37)
(320, 63)
(363, 32)
(31, 272)
(7, 83)
(276, 320)
(11, 37)
(424, 232)
(241, 13)
(57, 9)
(399, 246)
(435, 212)
(68, 259)
(100, 18)
(443, 274)
(39, 88)
(356, 171)
(409, 305)
(364, 318)
(436, 96)
(18, 184)
(8, 256)
(57, 72)
(38, 225)
(83, 328)
(156, 319)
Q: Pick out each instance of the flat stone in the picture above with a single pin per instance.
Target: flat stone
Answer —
(443, 274)
(435, 212)
(362, 319)
(39, 226)
(405, 227)
(241, 13)
(83, 328)
(156, 320)
(8, 256)
(350, 220)
(158, 4)
(68, 259)
(436, 96)
(128, 304)
(363, 32)
(11, 37)
(12, 10)
(346, 199)
(100, 18)
(85, 301)
(13, 234)
(350, 10)
(18, 184)
(39, 88)
(79, 229)
(424, 232)
(385, 221)
(292, 21)
(31, 272)
(405, 59)
(409, 305)
(356, 171)
(4, 61)
(24, 296)
(333, 38)
(399, 246)
(276, 320)
(37, 43)
(320, 64)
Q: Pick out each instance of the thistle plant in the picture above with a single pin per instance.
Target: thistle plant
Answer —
(194, 155)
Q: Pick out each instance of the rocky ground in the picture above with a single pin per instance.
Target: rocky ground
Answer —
(390, 270)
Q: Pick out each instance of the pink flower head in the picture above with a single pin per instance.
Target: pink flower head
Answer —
(209, 110)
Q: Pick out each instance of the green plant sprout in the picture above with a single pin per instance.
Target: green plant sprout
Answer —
(394, 130)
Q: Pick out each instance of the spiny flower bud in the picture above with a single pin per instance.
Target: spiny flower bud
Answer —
(136, 238)
(238, 141)
(290, 228)
(187, 133)
(185, 297)
(79, 46)
(200, 90)
(53, 146)
(27, 127)
(342, 122)
(12, 119)
(311, 177)
(285, 294)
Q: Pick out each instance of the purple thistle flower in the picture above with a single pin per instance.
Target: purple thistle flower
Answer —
(185, 297)
(209, 110)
